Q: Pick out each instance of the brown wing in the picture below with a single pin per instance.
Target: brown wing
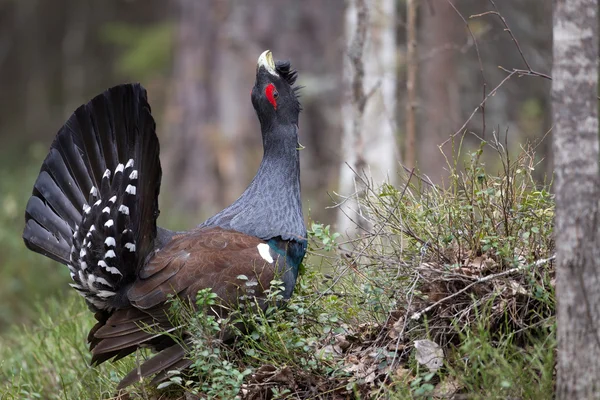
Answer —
(227, 262)
(206, 258)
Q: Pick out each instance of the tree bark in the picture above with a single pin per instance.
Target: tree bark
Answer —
(575, 110)
(369, 106)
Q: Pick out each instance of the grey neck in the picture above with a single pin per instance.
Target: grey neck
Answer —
(271, 205)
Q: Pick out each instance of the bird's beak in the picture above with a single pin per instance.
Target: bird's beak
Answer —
(266, 60)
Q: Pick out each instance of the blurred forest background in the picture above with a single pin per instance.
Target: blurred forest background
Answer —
(197, 59)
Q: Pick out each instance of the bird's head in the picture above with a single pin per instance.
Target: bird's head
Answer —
(274, 96)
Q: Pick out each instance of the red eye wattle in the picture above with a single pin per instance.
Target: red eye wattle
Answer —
(272, 94)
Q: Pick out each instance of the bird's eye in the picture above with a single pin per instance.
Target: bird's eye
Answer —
(272, 95)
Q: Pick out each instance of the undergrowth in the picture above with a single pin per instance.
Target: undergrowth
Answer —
(50, 359)
(448, 293)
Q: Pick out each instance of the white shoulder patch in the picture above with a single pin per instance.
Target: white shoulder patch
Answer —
(265, 252)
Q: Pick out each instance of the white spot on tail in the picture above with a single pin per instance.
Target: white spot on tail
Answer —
(112, 199)
(106, 174)
(130, 189)
(109, 223)
(130, 247)
(81, 276)
(110, 254)
(129, 163)
(110, 241)
(124, 210)
(265, 253)
(133, 174)
(105, 293)
(112, 270)
(106, 210)
(86, 209)
(94, 191)
(92, 228)
(90, 280)
(83, 265)
(95, 302)
(82, 253)
(103, 281)
(96, 204)
(119, 168)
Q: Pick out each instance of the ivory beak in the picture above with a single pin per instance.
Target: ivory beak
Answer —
(266, 60)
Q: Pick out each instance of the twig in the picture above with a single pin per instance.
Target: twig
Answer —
(411, 171)
(524, 72)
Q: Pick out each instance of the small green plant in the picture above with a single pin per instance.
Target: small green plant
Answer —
(214, 374)
(421, 386)
(323, 234)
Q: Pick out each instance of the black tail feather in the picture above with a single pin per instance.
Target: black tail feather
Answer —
(95, 202)
(168, 359)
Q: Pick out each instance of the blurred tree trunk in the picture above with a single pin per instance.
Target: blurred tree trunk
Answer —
(234, 112)
(440, 107)
(73, 49)
(368, 110)
(576, 150)
(189, 156)
(411, 83)
(33, 65)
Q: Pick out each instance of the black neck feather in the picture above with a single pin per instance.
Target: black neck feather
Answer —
(270, 206)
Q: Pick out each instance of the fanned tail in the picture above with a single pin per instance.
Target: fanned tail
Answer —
(95, 202)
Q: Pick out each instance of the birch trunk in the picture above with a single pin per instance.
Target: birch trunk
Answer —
(575, 109)
(369, 105)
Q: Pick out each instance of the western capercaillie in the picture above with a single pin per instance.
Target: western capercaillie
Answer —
(95, 204)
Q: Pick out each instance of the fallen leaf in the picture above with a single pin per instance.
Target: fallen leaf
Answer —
(446, 389)
(429, 354)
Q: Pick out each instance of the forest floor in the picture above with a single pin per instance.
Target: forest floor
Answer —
(448, 293)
